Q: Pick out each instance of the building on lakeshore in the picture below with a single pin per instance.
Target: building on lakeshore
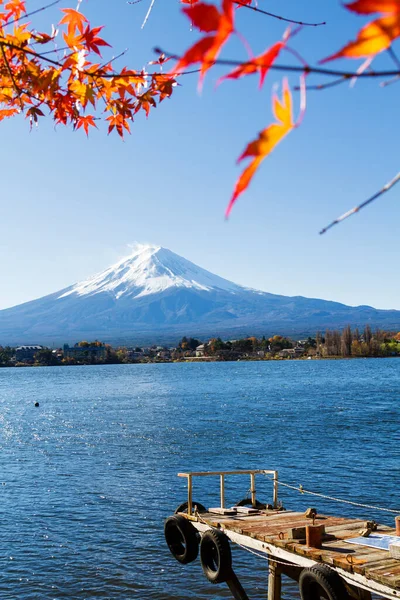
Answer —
(200, 351)
(26, 353)
(84, 353)
(292, 352)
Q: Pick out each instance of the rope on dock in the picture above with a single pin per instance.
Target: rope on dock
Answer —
(269, 558)
(301, 490)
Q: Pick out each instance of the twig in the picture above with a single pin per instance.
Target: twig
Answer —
(294, 68)
(254, 8)
(385, 188)
(4, 42)
(390, 82)
(26, 50)
(323, 86)
(274, 16)
(34, 12)
(148, 13)
(394, 56)
(114, 58)
(235, 63)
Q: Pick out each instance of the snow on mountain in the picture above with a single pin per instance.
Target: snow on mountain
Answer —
(150, 270)
(155, 295)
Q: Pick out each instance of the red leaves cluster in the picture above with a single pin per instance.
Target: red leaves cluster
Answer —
(35, 83)
(81, 90)
(218, 25)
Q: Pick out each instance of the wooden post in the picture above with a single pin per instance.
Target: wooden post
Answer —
(274, 582)
(190, 494)
(222, 491)
(397, 521)
(253, 489)
(363, 594)
(236, 588)
(275, 502)
(314, 535)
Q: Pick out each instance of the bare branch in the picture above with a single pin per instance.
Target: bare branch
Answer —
(274, 16)
(295, 68)
(254, 8)
(34, 12)
(148, 13)
(224, 62)
(354, 210)
(323, 86)
(394, 56)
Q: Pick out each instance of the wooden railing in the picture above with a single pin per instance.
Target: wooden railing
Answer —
(222, 475)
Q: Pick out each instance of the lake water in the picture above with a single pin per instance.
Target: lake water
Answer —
(87, 479)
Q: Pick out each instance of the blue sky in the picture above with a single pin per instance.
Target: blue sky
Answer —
(71, 206)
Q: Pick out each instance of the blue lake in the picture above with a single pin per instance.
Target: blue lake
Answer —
(89, 476)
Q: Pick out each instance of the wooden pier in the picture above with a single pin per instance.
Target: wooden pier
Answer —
(304, 546)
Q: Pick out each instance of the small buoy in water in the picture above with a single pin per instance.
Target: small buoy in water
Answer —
(36, 404)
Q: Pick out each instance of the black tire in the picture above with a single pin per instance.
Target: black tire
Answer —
(321, 583)
(248, 502)
(182, 539)
(215, 556)
(182, 508)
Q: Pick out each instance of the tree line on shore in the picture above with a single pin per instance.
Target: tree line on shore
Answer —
(330, 344)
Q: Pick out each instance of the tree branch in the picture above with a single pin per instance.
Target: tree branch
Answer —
(323, 86)
(274, 16)
(34, 12)
(255, 9)
(354, 210)
(295, 69)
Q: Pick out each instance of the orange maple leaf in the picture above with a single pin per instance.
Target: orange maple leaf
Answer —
(366, 7)
(220, 24)
(119, 123)
(5, 113)
(15, 9)
(377, 35)
(74, 20)
(85, 93)
(266, 141)
(85, 122)
(73, 40)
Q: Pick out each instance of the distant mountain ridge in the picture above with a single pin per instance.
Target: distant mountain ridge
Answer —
(154, 295)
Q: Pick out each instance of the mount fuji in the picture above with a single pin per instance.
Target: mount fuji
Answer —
(154, 295)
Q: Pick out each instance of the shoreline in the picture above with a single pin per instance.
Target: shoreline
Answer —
(200, 360)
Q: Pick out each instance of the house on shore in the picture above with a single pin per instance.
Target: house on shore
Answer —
(292, 352)
(26, 353)
(84, 353)
(200, 351)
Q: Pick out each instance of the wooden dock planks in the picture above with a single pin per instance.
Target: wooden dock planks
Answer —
(274, 527)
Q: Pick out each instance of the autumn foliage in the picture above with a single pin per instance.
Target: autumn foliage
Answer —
(76, 86)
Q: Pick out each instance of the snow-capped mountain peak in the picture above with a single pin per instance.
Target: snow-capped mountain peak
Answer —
(150, 270)
(154, 295)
